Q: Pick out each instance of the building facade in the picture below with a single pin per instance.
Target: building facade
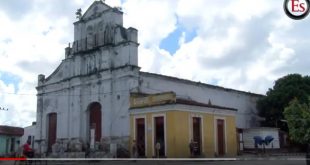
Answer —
(88, 97)
(10, 140)
(29, 135)
(173, 124)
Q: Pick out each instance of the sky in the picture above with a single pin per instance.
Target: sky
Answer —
(240, 44)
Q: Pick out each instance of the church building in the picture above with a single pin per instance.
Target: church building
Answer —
(98, 96)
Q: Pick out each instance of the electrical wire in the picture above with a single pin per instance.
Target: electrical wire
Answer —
(118, 92)
(57, 94)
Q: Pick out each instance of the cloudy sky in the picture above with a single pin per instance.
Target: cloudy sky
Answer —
(238, 44)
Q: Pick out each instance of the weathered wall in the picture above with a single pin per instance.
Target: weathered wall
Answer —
(179, 131)
(244, 102)
(71, 102)
(105, 74)
(248, 137)
(29, 131)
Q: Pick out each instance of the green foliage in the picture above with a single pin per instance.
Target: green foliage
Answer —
(284, 90)
(298, 119)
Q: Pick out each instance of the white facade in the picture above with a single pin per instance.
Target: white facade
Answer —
(101, 66)
(29, 133)
(243, 101)
(248, 137)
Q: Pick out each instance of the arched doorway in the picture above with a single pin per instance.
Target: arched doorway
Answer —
(52, 130)
(95, 119)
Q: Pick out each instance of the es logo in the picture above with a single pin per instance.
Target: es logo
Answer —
(297, 9)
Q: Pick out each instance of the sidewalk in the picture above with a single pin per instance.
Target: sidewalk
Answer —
(245, 159)
(6, 162)
(275, 154)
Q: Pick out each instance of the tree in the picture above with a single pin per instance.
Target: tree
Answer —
(284, 90)
(298, 120)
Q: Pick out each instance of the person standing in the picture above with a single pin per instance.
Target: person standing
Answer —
(191, 147)
(134, 150)
(157, 147)
(27, 150)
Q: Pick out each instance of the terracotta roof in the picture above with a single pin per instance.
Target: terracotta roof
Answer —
(13, 131)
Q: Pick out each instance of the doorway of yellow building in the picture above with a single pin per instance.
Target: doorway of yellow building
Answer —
(159, 136)
(220, 123)
(197, 135)
(140, 136)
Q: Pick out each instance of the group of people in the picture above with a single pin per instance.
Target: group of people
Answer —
(137, 148)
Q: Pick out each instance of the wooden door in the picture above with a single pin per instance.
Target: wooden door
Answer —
(95, 120)
(197, 134)
(160, 135)
(221, 137)
(140, 136)
(52, 130)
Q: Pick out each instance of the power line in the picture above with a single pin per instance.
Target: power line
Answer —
(4, 109)
(21, 94)
(117, 92)
(54, 93)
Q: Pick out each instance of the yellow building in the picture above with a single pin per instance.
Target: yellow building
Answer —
(173, 123)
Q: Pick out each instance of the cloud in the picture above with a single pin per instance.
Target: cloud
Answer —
(155, 17)
(238, 45)
(30, 45)
(10, 8)
(21, 107)
(33, 66)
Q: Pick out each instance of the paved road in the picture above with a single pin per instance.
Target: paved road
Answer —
(246, 162)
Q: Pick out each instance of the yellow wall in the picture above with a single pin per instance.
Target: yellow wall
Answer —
(208, 135)
(177, 136)
(178, 133)
(231, 136)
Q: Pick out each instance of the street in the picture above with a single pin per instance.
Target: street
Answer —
(270, 161)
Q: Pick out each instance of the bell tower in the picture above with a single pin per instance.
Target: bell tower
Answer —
(101, 28)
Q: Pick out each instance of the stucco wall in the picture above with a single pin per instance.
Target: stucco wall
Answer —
(178, 133)
(29, 131)
(105, 74)
(244, 102)
(248, 137)
(112, 94)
